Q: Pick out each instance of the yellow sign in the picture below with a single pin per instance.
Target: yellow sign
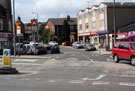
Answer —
(6, 58)
(18, 28)
(34, 25)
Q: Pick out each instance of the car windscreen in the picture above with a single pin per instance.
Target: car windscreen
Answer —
(132, 45)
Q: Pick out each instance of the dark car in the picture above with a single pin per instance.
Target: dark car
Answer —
(41, 50)
(55, 49)
(89, 47)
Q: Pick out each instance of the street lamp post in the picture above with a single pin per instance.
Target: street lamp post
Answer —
(14, 35)
(114, 15)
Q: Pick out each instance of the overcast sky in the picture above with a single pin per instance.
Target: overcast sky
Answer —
(53, 8)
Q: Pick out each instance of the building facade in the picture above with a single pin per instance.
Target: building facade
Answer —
(55, 26)
(96, 24)
(6, 35)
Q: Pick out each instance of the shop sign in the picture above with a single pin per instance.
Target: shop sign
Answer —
(103, 32)
(5, 35)
(83, 34)
(131, 33)
(93, 33)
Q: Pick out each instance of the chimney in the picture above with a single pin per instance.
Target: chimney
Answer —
(68, 17)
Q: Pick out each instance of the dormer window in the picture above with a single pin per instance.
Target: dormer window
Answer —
(93, 13)
(101, 11)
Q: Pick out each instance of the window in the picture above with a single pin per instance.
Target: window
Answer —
(1, 24)
(123, 46)
(80, 27)
(132, 45)
(101, 11)
(9, 26)
(102, 23)
(80, 17)
(93, 24)
(93, 13)
(86, 26)
(86, 15)
(115, 46)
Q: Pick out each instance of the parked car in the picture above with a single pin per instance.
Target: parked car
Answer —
(47, 46)
(29, 49)
(55, 49)
(40, 50)
(89, 47)
(77, 45)
(53, 43)
(124, 51)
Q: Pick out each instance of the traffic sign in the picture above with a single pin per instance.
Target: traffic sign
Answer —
(18, 28)
(34, 24)
(6, 58)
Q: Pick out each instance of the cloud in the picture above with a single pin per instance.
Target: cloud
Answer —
(53, 8)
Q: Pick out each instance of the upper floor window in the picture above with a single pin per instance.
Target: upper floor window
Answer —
(80, 17)
(86, 26)
(93, 24)
(9, 26)
(80, 27)
(101, 11)
(1, 24)
(93, 13)
(102, 23)
(86, 15)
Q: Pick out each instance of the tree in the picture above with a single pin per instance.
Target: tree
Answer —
(65, 32)
(46, 35)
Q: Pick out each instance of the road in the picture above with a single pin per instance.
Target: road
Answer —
(72, 70)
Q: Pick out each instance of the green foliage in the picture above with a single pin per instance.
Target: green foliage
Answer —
(65, 32)
(46, 35)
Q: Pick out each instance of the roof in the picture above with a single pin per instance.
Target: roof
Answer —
(60, 21)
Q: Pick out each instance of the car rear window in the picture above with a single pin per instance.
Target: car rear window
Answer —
(116, 44)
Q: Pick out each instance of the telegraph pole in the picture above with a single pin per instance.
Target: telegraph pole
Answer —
(114, 16)
(14, 29)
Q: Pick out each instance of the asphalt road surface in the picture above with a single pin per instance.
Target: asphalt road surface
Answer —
(72, 70)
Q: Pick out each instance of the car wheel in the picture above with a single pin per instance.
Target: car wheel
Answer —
(132, 60)
(116, 59)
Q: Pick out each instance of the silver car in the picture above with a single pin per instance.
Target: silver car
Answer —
(77, 45)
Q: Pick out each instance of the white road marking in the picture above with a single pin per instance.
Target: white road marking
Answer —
(100, 83)
(109, 60)
(98, 78)
(27, 63)
(52, 81)
(77, 81)
(25, 60)
(127, 84)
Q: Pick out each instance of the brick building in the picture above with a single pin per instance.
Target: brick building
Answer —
(5, 24)
(55, 26)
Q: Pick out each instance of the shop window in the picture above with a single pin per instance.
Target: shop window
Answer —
(1, 24)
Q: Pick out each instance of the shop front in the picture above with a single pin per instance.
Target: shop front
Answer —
(6, 40)
(84, 37)
(131, 36)
(94, 39)
(104, 39)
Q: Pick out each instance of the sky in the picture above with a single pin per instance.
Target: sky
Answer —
(53, 8)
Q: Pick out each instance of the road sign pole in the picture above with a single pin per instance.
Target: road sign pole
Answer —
(19, 46)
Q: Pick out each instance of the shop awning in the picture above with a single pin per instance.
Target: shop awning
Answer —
(103, 32)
